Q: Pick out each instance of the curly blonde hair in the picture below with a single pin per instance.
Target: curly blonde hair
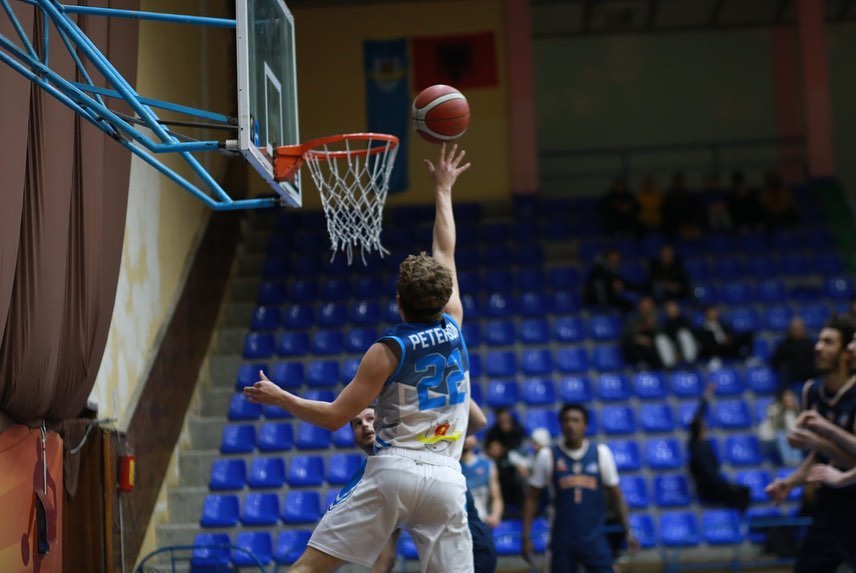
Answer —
(424, 286)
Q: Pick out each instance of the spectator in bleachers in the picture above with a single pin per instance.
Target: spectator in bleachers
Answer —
(743, 205)
(483, 482)
(510, 480)
(683, 213)
(718, 216)
(643, 342)
(679, 329)
(793, 358)
(507, 430)
(778, 203)
(650, 199)
(667, 276)
(619, 208)
(710, 486)
(581, 474)
(780, 418)
(605, 286)
(719, 340)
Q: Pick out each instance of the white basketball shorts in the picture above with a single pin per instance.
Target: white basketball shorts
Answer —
(396, 492)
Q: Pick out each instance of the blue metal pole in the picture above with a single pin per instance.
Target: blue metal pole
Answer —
(77, 62)
(160, 104)
(141, 15)
(20, 31)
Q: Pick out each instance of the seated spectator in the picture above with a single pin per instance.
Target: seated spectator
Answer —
(510, 481)
(679, 329)
(605, 287)
(506, 430)
(682, 212)
(710, 486)
(718, 217)
(667, 276)
(619, 208)
(778, 203)
(642, 341)
(650, 199)
(719, 340)
(793, 358)
(743, 205)
(483, 482)
(780, 418)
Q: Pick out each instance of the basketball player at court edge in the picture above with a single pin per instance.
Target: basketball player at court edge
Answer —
(419, 374)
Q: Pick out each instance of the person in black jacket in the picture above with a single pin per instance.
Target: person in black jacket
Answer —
(606, 287)
(793, 358)
(711, 487)
(667, 276)
(719, 340)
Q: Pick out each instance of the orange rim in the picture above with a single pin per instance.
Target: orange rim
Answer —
(288, 159)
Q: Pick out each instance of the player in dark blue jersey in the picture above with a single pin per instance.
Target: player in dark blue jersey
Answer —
(580, 474)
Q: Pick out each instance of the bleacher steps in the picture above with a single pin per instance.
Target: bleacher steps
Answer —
(195, 466)
(205, 432)
(224, 371)
(243, 289)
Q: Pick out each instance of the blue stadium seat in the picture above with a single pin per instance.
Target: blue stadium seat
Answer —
(534, 303)
(275, 437)
(814, 315)
(258, 345)
(275, 413)
(536, 362)
(291, 545)
(498, 281)
(301, 507)
(687, 411)
(756, 480)
(406, 547)
(469, 282)
(303, 291)
(777, 318)
(341, 467)
(736, 292)
(795, 264)
(502, 393)
(332, 494)
(472, 333)
(617, 420)
(761, 380)
(360, 339)
(539, 392)
(721, 527)
(499, 333)
(332, 314)
(391, 315)
(475, 366)
(476, 392)
(265, 318)
(606, 358)
(472, 307)
(771, 291)
(322, 373)
(671, 490)
(642, 527)
(306, 471)
(604, 327)
(501, 363)
(697, 269)
(238, 439)
(348, 369)
(744, 319)
(727, 269)
(564, 278)
(293, 344)
(310, 437)
(679, 529)
(537, 418)
(219, 511)
(761, 349)
(496, 255)
(307, 266)
(761, 405)
(719, 244)
(267, 472)
(575, 389)
(839, 287)
(762, 266)
(743, 450)
(564, 302)
(367, 286)
(529, 253)
(240, 408)
(257, 543)
(635, 490)
(705, 293)
(507, 538)
(626, 454)
(534, 331)
(592, 426)
(272, 293)
(828, 263)
(365, 312)
(335, 289)
(728, 382)
(344, 437)
(288, 374)
(732, 414)
(227, 473)
(656, 417)
(613, 387)
(211, 552)
(540, 535)
(327, 342)
(499, 305)
(298, 316)
(664, 454)
(650, 386)
(532, 278)
(248, 374)
(569, 329)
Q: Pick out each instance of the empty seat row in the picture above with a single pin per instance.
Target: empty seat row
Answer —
(279, 437)
(297, 507)
(267, 472)
(215, 552)
(740, 450)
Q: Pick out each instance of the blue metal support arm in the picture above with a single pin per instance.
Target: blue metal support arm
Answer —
(141, 15)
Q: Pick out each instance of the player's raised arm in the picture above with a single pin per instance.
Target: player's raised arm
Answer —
(445, 173)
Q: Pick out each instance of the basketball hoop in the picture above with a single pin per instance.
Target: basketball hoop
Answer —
(352, 173)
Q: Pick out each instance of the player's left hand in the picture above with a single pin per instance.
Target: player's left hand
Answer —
(827, 475)
(263, 392)
(448, 167)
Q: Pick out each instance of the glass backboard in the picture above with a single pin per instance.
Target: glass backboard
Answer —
(267, 88)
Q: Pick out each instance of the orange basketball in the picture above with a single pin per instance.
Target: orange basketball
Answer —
(441, 113)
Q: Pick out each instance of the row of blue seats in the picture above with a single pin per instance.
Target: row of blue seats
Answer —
(279, 437)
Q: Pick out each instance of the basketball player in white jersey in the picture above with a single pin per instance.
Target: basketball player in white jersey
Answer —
(419, 374)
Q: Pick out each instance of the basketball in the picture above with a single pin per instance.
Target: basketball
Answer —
(441, 113)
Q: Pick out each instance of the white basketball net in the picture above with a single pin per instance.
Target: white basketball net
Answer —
(352, 176)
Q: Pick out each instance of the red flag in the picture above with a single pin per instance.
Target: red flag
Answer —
(466, 61)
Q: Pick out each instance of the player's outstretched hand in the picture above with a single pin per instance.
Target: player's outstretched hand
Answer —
(263, 392)
(827, 475)
(446, 172)
(813, 421)
(778, 490)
